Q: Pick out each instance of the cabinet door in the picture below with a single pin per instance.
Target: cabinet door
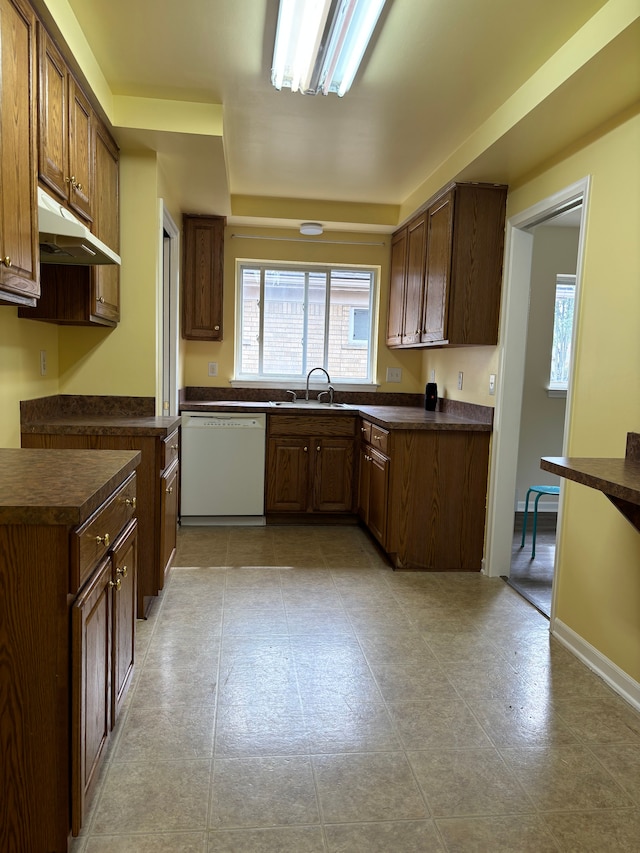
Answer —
(91, 699)
(80, 151)
(333, 474)
(438, 269)
(397, 284)
(414, 292)
(202, 278)
(53, 118)
(378, 492)
(19, 250)
(124, 565)
(168, 520)
(364, 475)
(106, 224)
(288, 474)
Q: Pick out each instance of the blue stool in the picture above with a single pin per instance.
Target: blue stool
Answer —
(539, 490)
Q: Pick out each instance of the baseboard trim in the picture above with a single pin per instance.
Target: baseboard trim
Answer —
(616, 678)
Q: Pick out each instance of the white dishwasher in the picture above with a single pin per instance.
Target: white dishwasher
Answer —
(222, 468)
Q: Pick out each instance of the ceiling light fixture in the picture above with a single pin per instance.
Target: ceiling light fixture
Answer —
(311, 229)
(320, 43)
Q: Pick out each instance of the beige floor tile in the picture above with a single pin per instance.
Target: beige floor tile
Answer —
(565, 778)
(530, 722)
(179, 732)
(350, 726)
(465, 782)
(605, 720)
(289, 839)
(154, 796)
(172, 685)
(412, 680)
(411, 836)
(367, 786)
(616, 831)
(623, 762)
(177, 842)
(282, 793)
(437, 722)
(519, 834)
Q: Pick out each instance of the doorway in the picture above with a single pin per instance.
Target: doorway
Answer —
(169, 248)
(509, 473)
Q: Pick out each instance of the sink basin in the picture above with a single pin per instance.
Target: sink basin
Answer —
(308, 404)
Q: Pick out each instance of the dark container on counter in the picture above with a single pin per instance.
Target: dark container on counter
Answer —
(431, 396)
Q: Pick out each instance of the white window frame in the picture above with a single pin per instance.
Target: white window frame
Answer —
(557, 388)
(285, 381)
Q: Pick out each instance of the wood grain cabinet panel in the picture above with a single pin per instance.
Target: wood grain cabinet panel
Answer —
(397, 287)
(169, 503)
(19, 247)
(202, 282)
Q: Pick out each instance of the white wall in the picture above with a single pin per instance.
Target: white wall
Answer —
(555, 251)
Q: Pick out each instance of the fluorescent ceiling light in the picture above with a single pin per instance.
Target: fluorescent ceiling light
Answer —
(311, 228)
(320, 43)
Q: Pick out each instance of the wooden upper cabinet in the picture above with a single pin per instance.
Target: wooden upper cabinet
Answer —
(202, 282)
(65, 149)
(105, 289)
(452, 291)
(397, 286)
(439, 219)
(19, 249)
(416, 250)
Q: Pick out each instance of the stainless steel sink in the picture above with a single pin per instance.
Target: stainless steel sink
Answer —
(308, 404)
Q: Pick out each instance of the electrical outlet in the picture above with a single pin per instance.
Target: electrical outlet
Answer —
(492, 383)
(43, 362)
(213, 368)
(433, 376)
(394, 374)
(460, 381)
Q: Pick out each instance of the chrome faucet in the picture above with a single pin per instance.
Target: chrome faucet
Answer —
(330, 389)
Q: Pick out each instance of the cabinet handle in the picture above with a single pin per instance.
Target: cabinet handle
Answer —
(123, 572)
(103, 540)
(362, 429)
(169, 490)
(6, 261)
(130, 502)
(116, 584)
(175, 447)
(306, 449)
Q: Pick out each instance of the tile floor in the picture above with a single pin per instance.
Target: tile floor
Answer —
(533, 576)
(292, 693)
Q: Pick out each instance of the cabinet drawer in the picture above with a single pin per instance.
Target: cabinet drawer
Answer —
(317, 425)
(91, 541)
(365, 431)
(170, 449)
(379, 438)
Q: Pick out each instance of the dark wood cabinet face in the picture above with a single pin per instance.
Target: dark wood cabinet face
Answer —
(202, 282)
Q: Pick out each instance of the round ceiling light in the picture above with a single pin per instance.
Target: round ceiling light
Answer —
(311, 229)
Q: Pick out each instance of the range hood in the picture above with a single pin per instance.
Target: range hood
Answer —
(66, 240)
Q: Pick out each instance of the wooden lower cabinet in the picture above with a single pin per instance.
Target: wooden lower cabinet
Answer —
(422, 494)
(310, 464)
(67, 635)
(157, 508)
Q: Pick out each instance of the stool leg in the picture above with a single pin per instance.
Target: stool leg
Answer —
(524, 520)
(535, 523)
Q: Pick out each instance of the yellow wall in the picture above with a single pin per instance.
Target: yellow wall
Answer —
(197, 354)
(598, 584)
(20, 379)
(123, 360)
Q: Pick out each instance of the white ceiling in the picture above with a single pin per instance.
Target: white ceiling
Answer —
(437, 70)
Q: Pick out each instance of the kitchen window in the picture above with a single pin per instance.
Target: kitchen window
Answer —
(290, 319)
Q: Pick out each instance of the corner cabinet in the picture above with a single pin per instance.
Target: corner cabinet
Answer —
(68, 551)
(202, 277)
(445, 287)
(19, 248)
(310, 465)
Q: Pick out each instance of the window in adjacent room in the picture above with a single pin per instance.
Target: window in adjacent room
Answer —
(291, 319)
(562, 332)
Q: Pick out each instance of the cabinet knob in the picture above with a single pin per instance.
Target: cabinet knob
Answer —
(318, 448)
(175, 447)
(362, 429)
(123, 572)
(6, 261)
(116, 584)
(101, 299)
(169, 490)
(130, 502)
(216, 328)
(103, 540)
(306, 449)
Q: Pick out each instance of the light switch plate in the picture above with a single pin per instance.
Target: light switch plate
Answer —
(460, 374)
(213, 368)
(492, 383)
(394, 374)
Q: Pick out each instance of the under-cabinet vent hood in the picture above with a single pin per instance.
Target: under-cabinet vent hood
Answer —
(66, 240)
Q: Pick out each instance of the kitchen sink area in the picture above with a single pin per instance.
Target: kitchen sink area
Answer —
(309, 404)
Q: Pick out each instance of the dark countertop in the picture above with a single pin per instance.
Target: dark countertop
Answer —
(619, 478)
(102, 425)
(389, 417)
(59, 486)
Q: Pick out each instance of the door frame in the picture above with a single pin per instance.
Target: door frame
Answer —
(167, 337)
(511, 365)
